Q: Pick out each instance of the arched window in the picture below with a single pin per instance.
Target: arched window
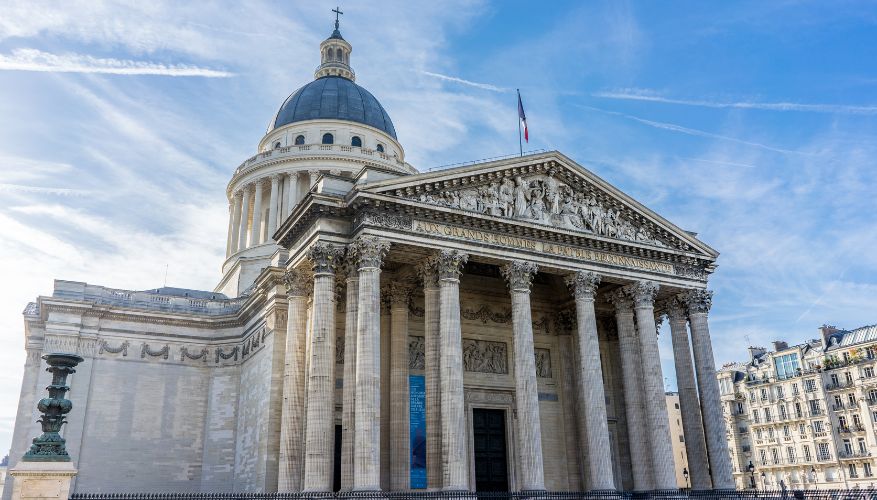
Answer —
(277, 145)
(328, 139)
(356, 141)
(299, 140)
(338, 55)
(380, 148)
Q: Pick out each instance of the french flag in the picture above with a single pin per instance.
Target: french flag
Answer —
(522, 117)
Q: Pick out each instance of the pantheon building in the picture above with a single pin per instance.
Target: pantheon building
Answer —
(485, 327)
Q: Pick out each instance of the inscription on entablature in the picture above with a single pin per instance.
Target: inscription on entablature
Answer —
(476, 235)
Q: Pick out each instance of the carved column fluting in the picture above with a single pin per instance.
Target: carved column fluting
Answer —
(689, 402)
(591, 392)
(348, 397)
(699, 303)
(454, 436)
(370, 252)
(657, 419)
(320, 428)
(237, 201)
(399, 295)
(292, 195)
(298, 287)
(432, 373)
(256, 228)
(634, 399)
(245, 217)
(272, 206)
(519, 276)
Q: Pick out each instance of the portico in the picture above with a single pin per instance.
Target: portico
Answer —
(478, 292)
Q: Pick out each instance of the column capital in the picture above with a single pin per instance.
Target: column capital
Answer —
(293, 175)
(370, 251)
(398, 293)
(246, 188)
(643, 293)
(699, 301)
(260, 181)
(314, 174)
(427, 270)
(583, 284)
(298, 282)
(620, 298)
(276, 177)
(675, 308)
(519, 275)
(351, 263)
(325, 257)
(238, 194)
(449, 264)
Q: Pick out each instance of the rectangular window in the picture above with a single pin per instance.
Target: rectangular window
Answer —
(851, 398)
(846, 356)
(790, 451)
(838, 401)
(822, 450)
(869, 352)
(802, 430)
(874, 416)
(872, 395)
(757, 433)
(739, 407)
(783, 412)
(834, 379)
(862, 447)
(807, 456)
(798, 410)
(849, 377)
(767, 415)
(681, 439)
(852, 469)
(776, 456)
(869, 372)
(866, 469)
(817, 426)
(848, 447)
(786, 365)
(786, 431)
(842, 421)
(780, 392)
(755, 416)
(810, 385)
(763, 457)
(770, 432)
(857, 420)
(763, 394)
(795, 389)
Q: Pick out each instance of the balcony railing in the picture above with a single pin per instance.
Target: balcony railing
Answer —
(823, 458)
(837, 386)
(851, 454)
(815, 412)
(850, 429)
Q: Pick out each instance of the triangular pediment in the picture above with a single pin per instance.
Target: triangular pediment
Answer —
(547, 189)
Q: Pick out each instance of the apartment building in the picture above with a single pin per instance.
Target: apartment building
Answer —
(677, 437)
(804, 415)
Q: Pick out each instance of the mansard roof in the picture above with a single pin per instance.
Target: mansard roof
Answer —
(583, 203)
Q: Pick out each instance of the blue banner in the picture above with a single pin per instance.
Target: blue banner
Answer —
(417, 427)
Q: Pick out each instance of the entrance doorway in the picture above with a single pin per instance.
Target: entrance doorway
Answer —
(491, 465)
(336, 476)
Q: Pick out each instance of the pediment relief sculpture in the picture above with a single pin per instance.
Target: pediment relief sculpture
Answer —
(544, 199)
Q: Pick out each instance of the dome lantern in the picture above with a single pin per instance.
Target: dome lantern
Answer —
(335, 55)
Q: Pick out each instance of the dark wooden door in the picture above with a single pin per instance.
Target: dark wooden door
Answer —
(336, 476)
(491, 466)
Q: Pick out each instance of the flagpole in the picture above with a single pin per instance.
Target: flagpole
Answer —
(520, 143)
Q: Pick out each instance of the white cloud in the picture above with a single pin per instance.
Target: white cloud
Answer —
(37, 60)
(482, 86)
(652, 96)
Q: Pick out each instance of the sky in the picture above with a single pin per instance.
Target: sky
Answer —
(751, 123)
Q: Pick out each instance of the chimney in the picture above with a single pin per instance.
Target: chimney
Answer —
(779, 345)
(756, 351)
(827, 331)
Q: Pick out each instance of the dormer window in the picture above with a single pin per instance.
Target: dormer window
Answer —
(299, 140)
(380, 148)
(356, 141)
(328, 139)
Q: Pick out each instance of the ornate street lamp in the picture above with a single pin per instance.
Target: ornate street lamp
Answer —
(685, 473)
(50, 446)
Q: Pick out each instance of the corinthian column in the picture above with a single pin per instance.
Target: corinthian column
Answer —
(235, 223)
(590, 381)
(699, 303)
(272, 206)
(245, 218)
(400, 445)
(689, 402)
(348, 397)
(432, 377)
(456, 466)
(320, 434)
(657, 422)
(256, 228)
(298, 287)
(519, 275)
(370, 252)
(634, 404)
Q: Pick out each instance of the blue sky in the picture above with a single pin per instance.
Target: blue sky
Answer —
(752, 123)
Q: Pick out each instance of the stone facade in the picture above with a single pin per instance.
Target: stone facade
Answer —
(526, 289)
(804, 415)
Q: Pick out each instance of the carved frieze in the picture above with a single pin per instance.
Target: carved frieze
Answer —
(485, 356)
(416, 353)
(185, 354)
(122, 348)
(543, 198)
(388, 220)
(543, 363)
(160, 353)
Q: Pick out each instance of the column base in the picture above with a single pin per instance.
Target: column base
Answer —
(44, 480)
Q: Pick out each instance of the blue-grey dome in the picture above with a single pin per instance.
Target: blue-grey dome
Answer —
(333, 98)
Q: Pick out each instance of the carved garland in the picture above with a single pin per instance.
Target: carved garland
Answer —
(162, 353)
(184, 354)
(123, 348)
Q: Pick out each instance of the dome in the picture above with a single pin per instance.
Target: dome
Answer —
(333, 98)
